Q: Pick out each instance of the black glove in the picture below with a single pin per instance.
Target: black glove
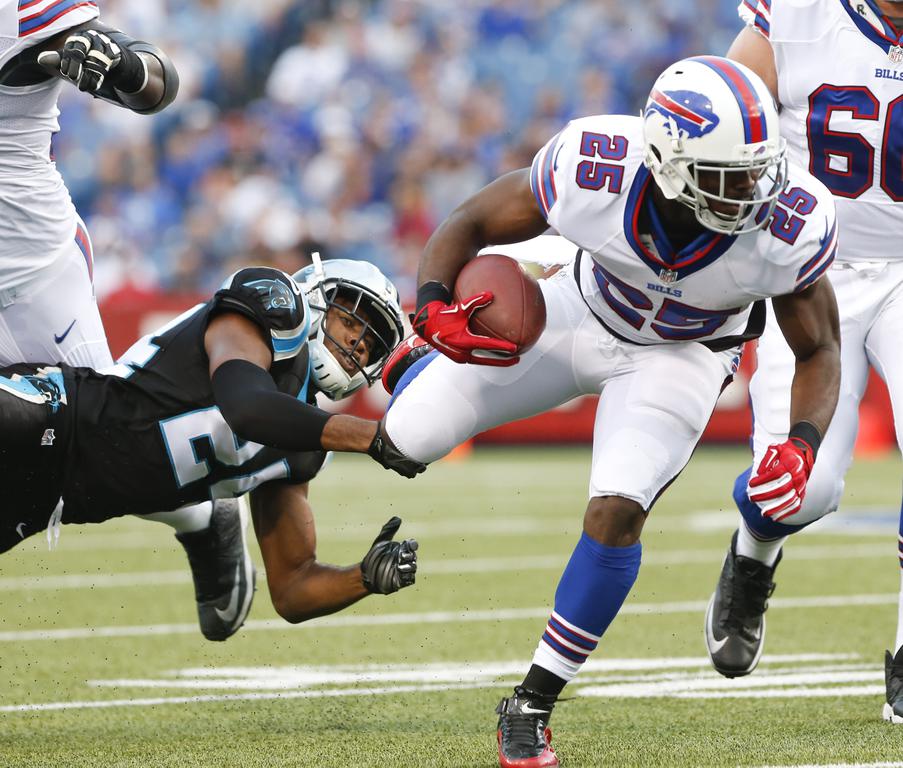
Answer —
(89, 57)
(384, 451)
(389, 565)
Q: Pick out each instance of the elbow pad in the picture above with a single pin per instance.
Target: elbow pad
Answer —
(170, 75)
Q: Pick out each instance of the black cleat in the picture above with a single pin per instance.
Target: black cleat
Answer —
(224, 575)
(735, 619)
(893, 680)
(524, 735)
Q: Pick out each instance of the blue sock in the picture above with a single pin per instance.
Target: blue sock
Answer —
(592, 589)
(412, 373)
(760, 526)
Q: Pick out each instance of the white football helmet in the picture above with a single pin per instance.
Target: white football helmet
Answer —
(371, 299)
(710, 114)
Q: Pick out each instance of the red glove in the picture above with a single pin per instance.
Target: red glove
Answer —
(779, 484)
(445, 326)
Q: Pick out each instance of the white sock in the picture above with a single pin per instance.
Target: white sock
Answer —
(764, 551)
(195, 517)
(899, 615)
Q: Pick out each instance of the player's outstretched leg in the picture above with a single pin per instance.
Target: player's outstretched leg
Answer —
(224, 575)
(594, 585)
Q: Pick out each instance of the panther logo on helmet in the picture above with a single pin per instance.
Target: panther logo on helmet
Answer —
(690, 112)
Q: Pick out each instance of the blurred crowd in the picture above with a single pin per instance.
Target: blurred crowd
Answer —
(345, 126)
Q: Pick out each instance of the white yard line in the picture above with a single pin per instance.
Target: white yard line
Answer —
(95, 580)
(451, 566)
(284, 683)
(156, 702)
(866, 521)
(429, 617)
(661, 670)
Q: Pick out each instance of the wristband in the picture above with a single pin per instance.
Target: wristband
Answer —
(432, 290)
(130, 75)
(807, 433)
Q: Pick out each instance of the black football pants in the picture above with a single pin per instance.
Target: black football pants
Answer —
(33, 446)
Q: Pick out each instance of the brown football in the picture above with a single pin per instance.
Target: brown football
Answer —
(517, 312)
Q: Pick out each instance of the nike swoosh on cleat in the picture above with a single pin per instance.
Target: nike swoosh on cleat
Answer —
(231, 612)
(62, 338)
(716, 645)
(712, 644)
(526, 709)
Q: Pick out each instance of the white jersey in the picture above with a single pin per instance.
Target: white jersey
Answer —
(37, 219)
(592, 187)
(840, 75)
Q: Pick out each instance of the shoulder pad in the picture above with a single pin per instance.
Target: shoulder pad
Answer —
(800, 21)
(578, 178)
(274, 301)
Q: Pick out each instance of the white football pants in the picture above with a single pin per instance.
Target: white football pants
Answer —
(655, 400)
(54, 317)
(870, 302)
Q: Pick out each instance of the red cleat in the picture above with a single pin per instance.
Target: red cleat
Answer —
(403, 357)
(524, 735)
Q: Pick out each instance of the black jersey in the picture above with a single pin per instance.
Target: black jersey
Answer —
(146, 435)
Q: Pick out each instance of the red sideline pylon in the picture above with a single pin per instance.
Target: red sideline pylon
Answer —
(876, 431)
(460, 452)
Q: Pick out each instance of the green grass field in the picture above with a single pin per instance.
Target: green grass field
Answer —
(101, 662)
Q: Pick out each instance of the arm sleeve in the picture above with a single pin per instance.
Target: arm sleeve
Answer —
(257, 411)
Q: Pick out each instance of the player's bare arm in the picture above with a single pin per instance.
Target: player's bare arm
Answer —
(753, 50)
(111, 65)
(301, 587)
(247, 395)
(504, 211)
(810, 325)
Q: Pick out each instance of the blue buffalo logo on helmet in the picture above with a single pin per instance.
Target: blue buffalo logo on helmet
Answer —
(691, 112)
(274, 294)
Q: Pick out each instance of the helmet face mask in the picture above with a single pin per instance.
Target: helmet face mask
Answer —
(712, 143)
(709, 193)
(356, 322)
